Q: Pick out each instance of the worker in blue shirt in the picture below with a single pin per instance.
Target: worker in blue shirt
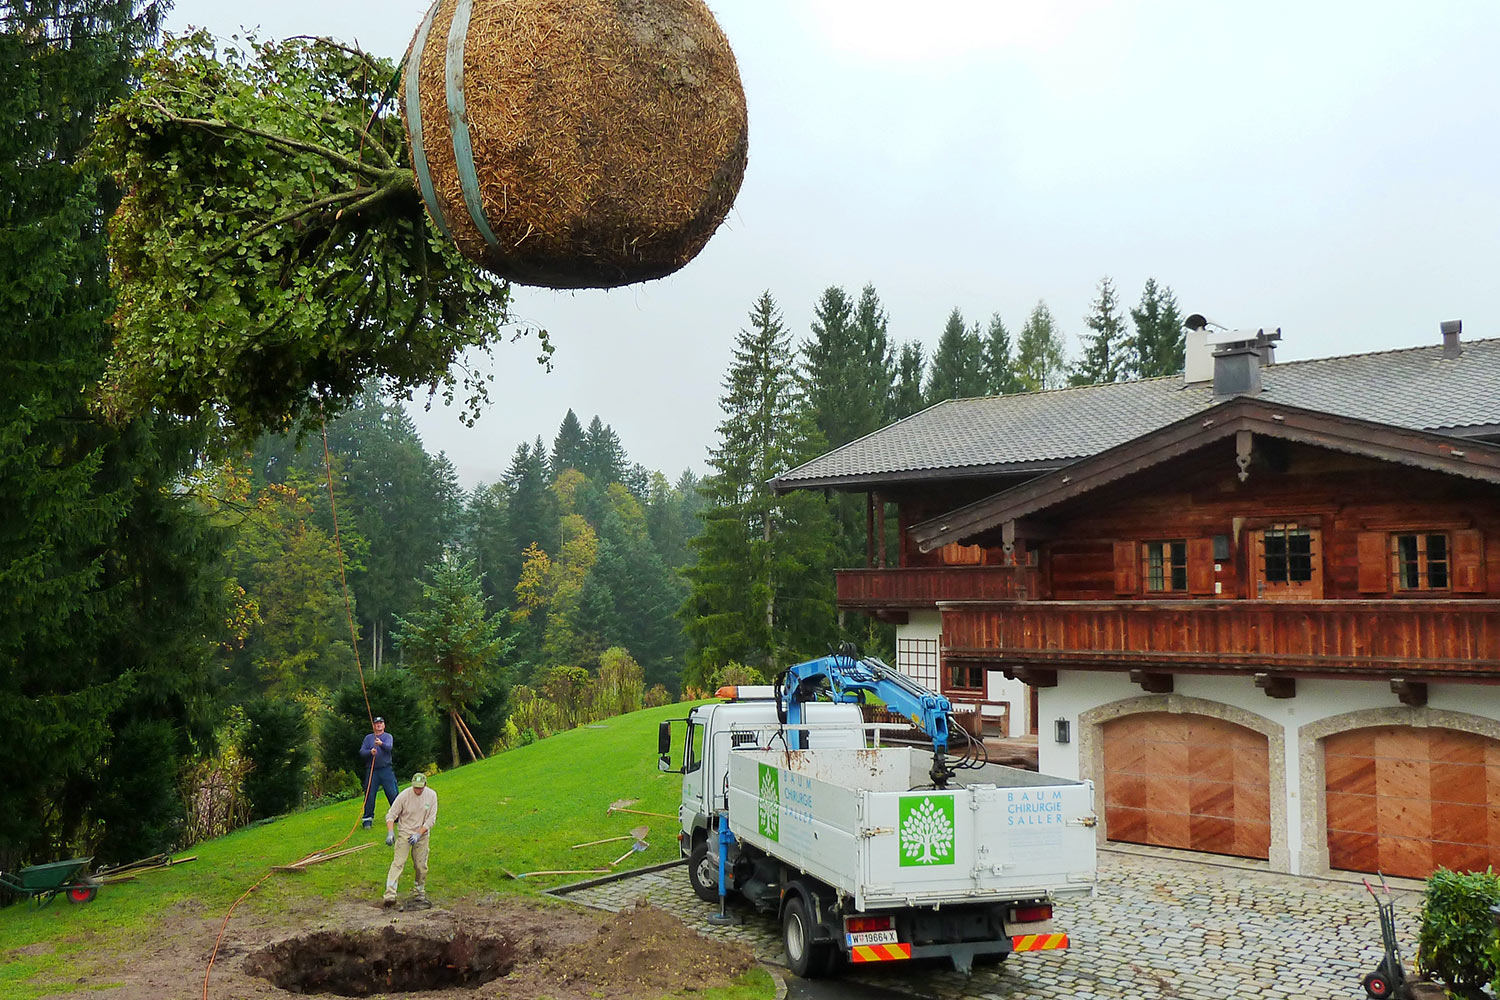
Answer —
(377, 746)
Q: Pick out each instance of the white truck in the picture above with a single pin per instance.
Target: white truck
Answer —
(867, 852)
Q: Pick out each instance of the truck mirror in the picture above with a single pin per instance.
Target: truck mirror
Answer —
(664, 763)
(664, 739)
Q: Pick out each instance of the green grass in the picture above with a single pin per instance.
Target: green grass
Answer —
(519, 811)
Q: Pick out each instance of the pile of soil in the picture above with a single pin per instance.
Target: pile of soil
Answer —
(554, 951)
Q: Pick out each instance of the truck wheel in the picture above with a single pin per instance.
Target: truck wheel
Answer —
(703, 872)
(804, 957)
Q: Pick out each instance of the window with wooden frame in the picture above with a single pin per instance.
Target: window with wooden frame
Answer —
(1164, 566)
(965, 677)
(918, 659)
(1421, 560)
(1287, 560)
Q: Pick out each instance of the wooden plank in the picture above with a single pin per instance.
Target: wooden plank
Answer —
(1373, 549)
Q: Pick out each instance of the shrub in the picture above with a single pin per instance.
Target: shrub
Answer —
(398, 697)
(571, 693)
(734, 674)
(619, 689)
(140, 809)
(1456, 942)
(658, 696)
(276, 744)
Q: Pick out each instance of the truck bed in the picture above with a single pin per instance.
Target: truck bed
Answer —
(868, 823)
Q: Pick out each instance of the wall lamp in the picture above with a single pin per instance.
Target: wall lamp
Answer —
(1063, 732)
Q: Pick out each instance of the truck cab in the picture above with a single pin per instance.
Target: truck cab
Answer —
(748, 720)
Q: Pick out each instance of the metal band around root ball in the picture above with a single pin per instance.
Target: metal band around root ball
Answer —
(463, 149)
(414, 122)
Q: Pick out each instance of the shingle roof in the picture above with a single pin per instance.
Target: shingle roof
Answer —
(1415, 387)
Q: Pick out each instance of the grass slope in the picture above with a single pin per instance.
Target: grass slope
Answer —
(519, 811)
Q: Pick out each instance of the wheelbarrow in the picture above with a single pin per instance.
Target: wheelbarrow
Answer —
(42, 883)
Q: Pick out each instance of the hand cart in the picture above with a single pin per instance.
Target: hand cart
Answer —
(42, 883)
(1389, 977)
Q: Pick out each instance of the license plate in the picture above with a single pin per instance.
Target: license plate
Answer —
(872, 937)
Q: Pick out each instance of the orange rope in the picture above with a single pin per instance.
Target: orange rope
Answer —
(359, 665)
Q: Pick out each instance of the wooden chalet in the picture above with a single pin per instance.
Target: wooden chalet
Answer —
(1258, 606)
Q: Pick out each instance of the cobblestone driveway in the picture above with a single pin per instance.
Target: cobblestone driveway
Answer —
(1156, 927)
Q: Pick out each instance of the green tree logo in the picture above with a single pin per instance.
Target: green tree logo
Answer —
(770, 803)
(927, 830)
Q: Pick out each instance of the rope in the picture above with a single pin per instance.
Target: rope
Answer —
(364, 689)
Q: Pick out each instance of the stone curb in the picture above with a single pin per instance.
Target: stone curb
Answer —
(778, 979)
(563, 890)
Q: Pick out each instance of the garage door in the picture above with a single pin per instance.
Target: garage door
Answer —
(1187, 781)
(1404, 801)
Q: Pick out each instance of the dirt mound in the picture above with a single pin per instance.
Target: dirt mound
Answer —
(646, 951)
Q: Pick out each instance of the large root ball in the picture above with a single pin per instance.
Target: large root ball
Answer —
(575, 143)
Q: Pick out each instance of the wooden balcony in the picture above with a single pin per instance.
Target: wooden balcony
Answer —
(923, 587)
(1421, 639)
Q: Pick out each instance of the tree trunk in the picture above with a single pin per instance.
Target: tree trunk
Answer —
(453, 737)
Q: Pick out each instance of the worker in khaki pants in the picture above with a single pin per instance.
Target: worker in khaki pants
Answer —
(407, 824)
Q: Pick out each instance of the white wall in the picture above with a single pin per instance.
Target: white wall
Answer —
(929, 625)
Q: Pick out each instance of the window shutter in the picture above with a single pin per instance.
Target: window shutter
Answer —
(1200, 565)
(1374, 562)
(1468, 562)
(1127, 569)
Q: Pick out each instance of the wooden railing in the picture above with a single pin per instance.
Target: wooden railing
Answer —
(1387, 638)
(923, 587)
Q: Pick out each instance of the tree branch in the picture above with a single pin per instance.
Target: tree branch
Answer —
(374, 173)
(297, 213)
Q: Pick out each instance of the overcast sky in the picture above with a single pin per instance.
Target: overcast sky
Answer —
(1329, 168)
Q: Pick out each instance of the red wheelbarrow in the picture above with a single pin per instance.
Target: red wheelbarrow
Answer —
(42, 883)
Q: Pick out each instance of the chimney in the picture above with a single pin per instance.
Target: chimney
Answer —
(1451, 329)
(1198, 357)
(1237, 370)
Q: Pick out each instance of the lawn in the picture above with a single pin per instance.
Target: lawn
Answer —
(519, 811)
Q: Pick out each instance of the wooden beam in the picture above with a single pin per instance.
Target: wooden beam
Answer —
(880, 555)
(893, 616)
(1276, 686)
(1412, 693)
(1243, 445)
(1152, 683)
(1037, 677)
(869, 530)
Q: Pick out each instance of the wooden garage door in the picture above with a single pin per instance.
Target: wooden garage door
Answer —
(1405, 801)
(1187, 781)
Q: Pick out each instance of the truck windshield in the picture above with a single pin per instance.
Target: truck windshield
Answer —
(693, 755)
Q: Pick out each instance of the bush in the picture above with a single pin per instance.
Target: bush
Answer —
(1456, 942)
(276, 744)
(658, 696)
(139, 808)
(735, 674)
(396, 696)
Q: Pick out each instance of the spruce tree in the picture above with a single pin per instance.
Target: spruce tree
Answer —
(1159, 337)
(762, 588)
(1107, 351)
(104, 566)
(602, 458)
(878, 379)
(957, 365)
(1039, 351)
(567, 446)
(911, 368)
(999, 365)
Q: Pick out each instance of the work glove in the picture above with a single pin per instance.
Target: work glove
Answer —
(390, 840)
(412, 840)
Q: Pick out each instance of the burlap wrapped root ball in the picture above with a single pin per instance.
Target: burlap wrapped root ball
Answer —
(607, 137)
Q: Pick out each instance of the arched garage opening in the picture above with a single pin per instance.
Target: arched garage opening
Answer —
(1406, 800)
(1187, 781)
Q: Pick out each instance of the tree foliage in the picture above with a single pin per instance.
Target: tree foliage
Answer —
(271, 253)
(1039, 351)
(998, 360)
(1107, 351)
(957, 370)
(1160, 343)
(452, 643)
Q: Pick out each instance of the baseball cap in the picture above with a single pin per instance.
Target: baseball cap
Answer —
(379, 718)
(419, 780)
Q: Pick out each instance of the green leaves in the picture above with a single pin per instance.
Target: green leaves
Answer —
(271, 253)
(1456, 940)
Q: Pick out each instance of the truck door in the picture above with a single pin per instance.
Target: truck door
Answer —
(693, 800)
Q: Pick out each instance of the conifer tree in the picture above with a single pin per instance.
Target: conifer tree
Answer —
(567, 446)
(1107, 351)
(110, 611)
(911, 369)
(1159, 338)
(1039, 351)
(999, 365)
(762, 589)
(602, 458)
(958, 365)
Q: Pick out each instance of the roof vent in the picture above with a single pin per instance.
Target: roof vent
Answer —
(1451, 329)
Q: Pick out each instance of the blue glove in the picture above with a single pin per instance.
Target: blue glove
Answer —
(390, 839)
(412, 840)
